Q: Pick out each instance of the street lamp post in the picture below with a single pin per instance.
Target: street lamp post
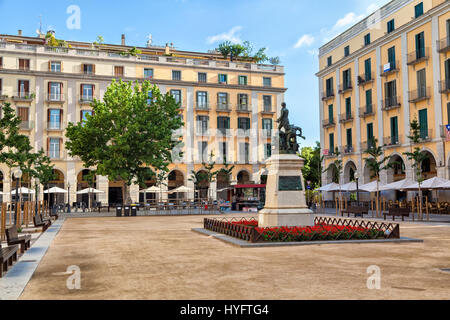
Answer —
(68, 197)
(18, 176)
(357, 187)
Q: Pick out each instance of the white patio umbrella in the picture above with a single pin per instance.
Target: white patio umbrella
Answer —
(371, 186)
(181, 189)
(329, 187)
(23, 190)
(55, 190)
(89, 191)
(433, 183)
(349, 187)
(398, 185)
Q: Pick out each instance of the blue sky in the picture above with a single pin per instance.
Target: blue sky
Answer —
(290, 29)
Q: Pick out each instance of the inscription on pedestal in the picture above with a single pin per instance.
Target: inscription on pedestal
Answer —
(290, 183)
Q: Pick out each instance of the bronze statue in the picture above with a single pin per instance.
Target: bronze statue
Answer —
(288, 137)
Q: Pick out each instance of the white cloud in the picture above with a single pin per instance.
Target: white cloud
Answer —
(349, 19)
(305, 40)
(227, 36)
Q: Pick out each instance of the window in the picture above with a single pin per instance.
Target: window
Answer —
(242, 101)
(370, 138)
(54, 119)
(242, 80)
(368, 69)
(54, 148)
(420, 45)
(330, 114)
(223, 78)
(331, 143)
(391, 26)
(87, 92)
(88, 69)
(202, 77)
(329, 61)
(223, 147)
(267, 150)
(202, 100)
(1, 62)
(222, 101)
(391, 58)
(176, 94)
(329, 87)
(118, 71)
(421, 83)
(203, 151)
(176, 75)
(423, 123)
(23, 114)
(418, 10)
(55, 66)
(1, 87)
(394, 130)
(369, 108)
(346, 51)
(390, 93)
(267, 127)
(202, 124)
(347, 79)
(267, 82)
(244, 152)
(24, 88)
(349, 139)
(447, 75)
(348, 108)
(267, 103)
(54, 91)
(244, 124)
(148, 73)
(448, 112)
(367, 39)
(24, 64)
(223, 124)
(84, 114)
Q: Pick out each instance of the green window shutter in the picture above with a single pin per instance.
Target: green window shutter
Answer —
(391, 57)
(368, 69)
(420, 45)
(448, 112)
(349, 137)
(369, 101)
(330, 113)
(369, 132)
(394, 130)
(331, 142)
(423, 122)
(348, 107)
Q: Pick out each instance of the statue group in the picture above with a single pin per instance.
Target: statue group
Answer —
(288, 133)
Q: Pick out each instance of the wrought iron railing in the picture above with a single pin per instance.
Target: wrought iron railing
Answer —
(444, 86)
(420, 94)
(443, 45)
(368, 110)
(391, 103)
(418, 55)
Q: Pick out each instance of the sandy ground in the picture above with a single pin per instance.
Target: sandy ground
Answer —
(161, 258)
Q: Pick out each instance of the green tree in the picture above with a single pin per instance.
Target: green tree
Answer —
(377, 162)
(416, 157)
(206, 175)
(244, 50)
(129, 133)
(312, 170)
(336, 167)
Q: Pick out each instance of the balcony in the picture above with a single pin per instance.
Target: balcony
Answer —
(392, 141)
(26, 125)
(266, 133)
(444, 86)
(391, 103)
(268, 110)
(346, 117)
(330, 154)
(241, 132)
(204, 106)
(243, 108)
(23, 96)
(390, 68)
(223, 132)
(202, 132)
(345, 87)
(365, 79)
(223, 107)
(443, 45)
(426, 135)
(444, 133)
(56, 97)
(423, 93)
(348, 149)
(367, 111)
(418, 56)
(82, 99)
(55, 126)
(366, 145)
(3, 96)
(329, 94)
(57, 50)
(328, 123)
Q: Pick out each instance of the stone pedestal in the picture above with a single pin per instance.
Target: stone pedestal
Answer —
(285, 194)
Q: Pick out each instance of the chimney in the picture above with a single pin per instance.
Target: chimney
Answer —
(19, 32)
(123, 40)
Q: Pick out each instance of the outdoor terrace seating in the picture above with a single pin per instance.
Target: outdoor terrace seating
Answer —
(13, 239)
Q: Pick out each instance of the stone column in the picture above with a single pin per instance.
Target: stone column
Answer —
(103, 185)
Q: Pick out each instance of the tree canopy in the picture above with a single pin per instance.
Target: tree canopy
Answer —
(129, 135)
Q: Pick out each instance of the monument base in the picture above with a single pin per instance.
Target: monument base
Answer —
(285, 195)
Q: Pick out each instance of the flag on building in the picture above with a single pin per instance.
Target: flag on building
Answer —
(447, 135)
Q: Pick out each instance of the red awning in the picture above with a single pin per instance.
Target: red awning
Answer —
(245, 186)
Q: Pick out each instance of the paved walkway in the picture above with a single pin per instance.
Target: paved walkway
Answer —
(15, 280)
(161, 258)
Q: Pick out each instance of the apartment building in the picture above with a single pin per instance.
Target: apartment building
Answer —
(229, 108)
(378, 76)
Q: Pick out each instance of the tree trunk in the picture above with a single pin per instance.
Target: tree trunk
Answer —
(420, 203)
(126, 196)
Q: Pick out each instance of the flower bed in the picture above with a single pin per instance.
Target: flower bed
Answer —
(319, 232)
